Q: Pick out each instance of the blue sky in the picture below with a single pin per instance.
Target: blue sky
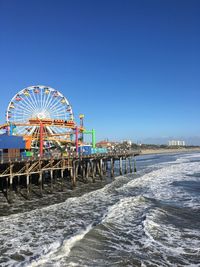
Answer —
(132, 67)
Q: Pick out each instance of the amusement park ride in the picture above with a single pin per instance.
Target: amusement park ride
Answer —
(45, 120)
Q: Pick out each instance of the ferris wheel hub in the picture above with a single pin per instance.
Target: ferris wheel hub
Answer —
(41, 115)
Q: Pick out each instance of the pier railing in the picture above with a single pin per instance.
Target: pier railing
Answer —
(70, 155)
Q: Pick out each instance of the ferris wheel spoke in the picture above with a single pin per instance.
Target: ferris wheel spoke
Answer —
(23, 103)
(47, 99)
(63, 132)
(53, 102)
(49, 102)
(32, 130)
(17, 119)
(34, 97)
(36, 133)
(21, 116)
(46, 133)
(41, 98)
(57, 117)
(24, 106)
(59, 109)
(50, 129)
(31, 102)
(36, 137)
(22, 112)
(38, 99)
(24, 118)
(21, 130)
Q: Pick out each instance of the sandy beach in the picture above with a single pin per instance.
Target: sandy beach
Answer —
(166, 151)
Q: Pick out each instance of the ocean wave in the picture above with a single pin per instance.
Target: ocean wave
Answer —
(132, 221)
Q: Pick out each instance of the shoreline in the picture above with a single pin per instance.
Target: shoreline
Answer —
(168, 151)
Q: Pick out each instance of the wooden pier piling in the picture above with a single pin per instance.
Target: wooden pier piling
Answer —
(39, 172)
(125, 167)
(135, 169)
(120, 166)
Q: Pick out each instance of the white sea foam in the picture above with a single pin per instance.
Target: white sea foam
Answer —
(55, 255)
(170, 241)
(42, 231)
(157, 184)
(153, 235)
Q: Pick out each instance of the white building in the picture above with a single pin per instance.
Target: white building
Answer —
(176, 143)
(128, 142)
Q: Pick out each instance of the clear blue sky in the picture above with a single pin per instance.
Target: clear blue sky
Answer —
(132, 67)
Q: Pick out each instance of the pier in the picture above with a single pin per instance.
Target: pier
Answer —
(17, 175)
(43, 148)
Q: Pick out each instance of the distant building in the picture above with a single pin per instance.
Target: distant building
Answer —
(105, 144)
(128, 142)
(176, 143)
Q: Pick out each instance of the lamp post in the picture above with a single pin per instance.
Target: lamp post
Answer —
(81, 117)
(76, 140)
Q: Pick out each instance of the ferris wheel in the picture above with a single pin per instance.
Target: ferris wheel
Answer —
(39, 103)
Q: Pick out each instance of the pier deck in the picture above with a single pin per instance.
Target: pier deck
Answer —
(16, 174)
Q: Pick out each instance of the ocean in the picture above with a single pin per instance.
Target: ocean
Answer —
(151, 218)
